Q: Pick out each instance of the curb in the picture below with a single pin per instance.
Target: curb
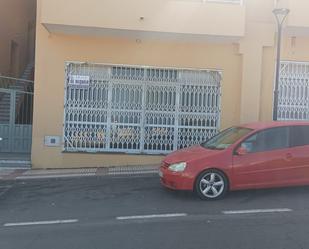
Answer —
(23, 174)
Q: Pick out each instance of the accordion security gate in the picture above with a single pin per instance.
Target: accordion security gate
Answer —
(139, 109)
(293, 91)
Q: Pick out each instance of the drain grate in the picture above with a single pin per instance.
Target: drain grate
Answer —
(127, 170)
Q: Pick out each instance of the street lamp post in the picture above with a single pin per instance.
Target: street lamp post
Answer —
(280, 15)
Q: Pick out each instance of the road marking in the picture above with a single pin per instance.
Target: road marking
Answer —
(152, 216)
(35, 223)
(255, 211)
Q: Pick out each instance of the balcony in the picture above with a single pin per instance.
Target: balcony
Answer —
(192, 18)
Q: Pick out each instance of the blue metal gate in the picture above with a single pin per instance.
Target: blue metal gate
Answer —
(16, 105)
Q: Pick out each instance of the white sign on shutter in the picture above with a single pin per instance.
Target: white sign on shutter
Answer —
(79, 80)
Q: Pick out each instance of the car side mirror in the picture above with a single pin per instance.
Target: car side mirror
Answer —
(241, 151)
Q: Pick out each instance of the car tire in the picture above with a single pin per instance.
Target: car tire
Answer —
(211, 185)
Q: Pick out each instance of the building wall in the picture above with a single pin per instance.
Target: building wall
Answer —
(293, 49)
(176, 16)
(49, 87)
(17, 24)
(247, 63)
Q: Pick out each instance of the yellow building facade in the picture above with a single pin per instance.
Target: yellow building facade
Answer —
(125, 82)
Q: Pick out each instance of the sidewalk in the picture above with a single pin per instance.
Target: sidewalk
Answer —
(25, 174)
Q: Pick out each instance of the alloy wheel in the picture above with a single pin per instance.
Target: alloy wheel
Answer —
(211, 185)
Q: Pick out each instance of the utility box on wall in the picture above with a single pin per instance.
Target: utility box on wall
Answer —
(52, 141)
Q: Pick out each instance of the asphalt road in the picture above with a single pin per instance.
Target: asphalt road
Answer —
(137, 213)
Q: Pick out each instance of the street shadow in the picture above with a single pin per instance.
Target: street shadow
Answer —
(279, 193)
(244, 196)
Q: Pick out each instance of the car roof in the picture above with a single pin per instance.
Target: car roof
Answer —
(273, 124)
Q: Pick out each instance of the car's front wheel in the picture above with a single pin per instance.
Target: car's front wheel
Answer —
(211, 185)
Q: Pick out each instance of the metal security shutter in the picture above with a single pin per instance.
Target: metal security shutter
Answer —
(16, 107)
(139, 109)
(294, 91)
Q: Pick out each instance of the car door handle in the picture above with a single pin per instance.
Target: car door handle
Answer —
(289, 156)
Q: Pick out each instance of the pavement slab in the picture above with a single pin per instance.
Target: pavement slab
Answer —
(24, 174)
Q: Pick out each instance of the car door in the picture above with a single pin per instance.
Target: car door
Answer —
(267, 162)
(299, 154)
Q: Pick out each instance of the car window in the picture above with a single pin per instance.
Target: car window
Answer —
(267, 140)
(299, 136)
(226, 138)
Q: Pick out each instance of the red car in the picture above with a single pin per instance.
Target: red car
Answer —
(251, 156)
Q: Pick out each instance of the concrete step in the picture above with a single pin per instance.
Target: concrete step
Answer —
(4, 107)
(15, 164)
(5, 102)
(4, 112)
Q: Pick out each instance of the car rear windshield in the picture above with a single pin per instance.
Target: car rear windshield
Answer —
(226, 138)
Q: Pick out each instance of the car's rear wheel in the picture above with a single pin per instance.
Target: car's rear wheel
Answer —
(211, 185)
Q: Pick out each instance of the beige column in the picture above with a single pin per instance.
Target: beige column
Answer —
(251, 47)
